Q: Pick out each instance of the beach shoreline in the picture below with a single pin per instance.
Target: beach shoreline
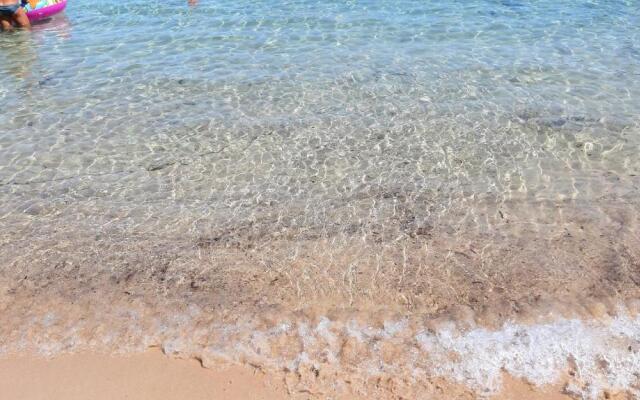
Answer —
(153, 375)
(383, 358)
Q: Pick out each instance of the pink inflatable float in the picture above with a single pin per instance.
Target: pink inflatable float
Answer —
(42, 9)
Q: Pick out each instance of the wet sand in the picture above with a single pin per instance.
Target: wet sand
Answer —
(152, 375)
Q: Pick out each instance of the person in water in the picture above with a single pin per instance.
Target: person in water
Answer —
(12, 13)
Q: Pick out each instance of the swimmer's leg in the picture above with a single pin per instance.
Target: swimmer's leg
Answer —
(6, 23)
(21, 19)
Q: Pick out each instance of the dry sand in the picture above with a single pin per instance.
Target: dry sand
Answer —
(152, 375)
(144, 376)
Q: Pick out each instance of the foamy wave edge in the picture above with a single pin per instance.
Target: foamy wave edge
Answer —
(598, 354)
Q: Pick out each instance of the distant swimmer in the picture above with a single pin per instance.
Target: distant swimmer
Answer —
(13, 14)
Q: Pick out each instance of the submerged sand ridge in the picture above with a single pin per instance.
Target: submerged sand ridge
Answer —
(515, 261)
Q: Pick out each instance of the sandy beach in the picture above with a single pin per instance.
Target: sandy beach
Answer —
(154, 376)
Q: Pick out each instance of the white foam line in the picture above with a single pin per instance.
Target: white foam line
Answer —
(602, 354)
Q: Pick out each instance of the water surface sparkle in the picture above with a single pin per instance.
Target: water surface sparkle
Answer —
(253, 157)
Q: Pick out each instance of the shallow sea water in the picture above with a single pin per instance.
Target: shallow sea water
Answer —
(249, 158)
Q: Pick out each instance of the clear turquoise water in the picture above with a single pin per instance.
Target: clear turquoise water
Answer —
(165, 169)
(245, 120)
(251, 120)
(380, 121)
